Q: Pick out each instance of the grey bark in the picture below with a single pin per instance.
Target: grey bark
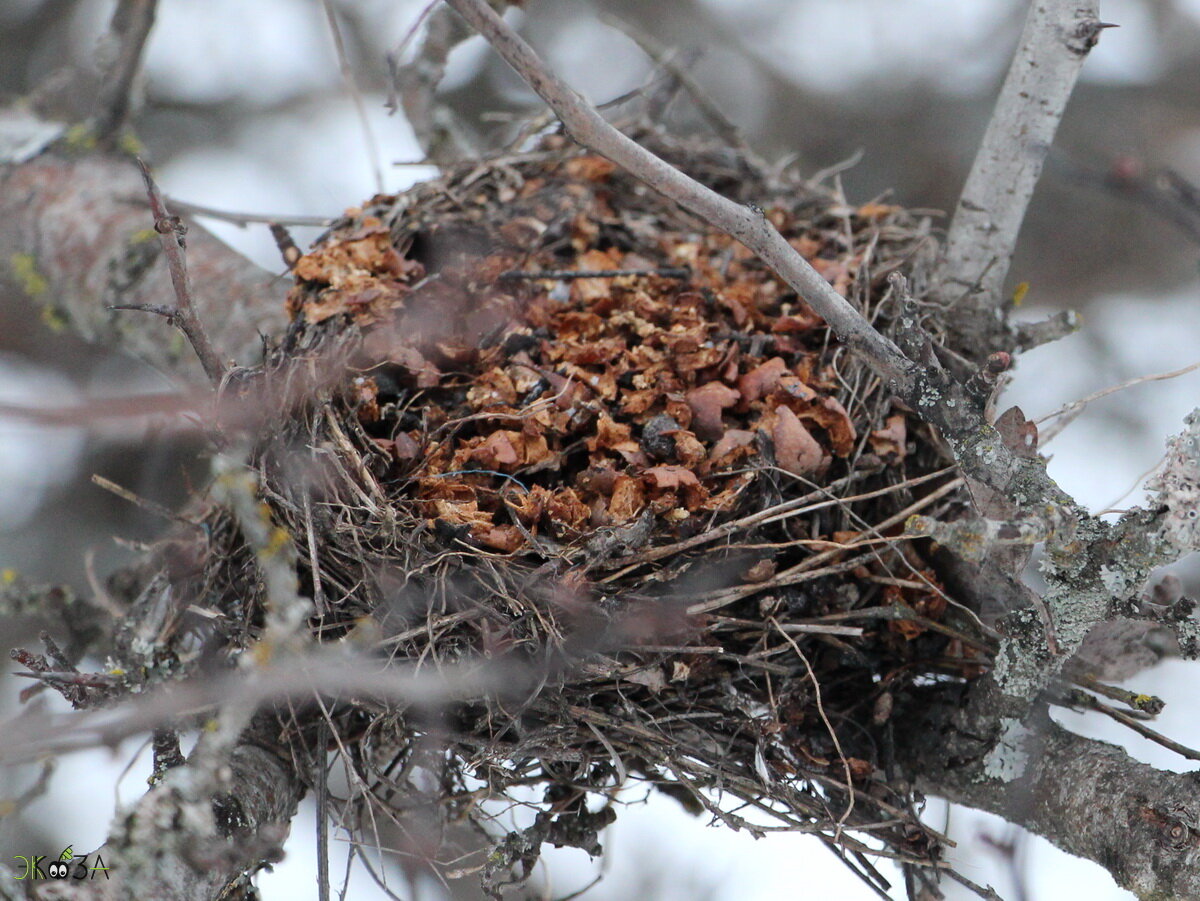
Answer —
(1088, 797)
(76, 236)
(1054, 44)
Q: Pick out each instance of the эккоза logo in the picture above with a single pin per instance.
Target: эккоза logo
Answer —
(67, 866)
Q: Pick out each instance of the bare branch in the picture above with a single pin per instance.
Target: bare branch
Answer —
(1054, 44)
(415, 83)
(1067, 413)
(74, 239)
(170, 234)
(1088, 797)
(131, 24)
(372, 146)
(1165, 193)
(746, 224)
(244, 219)
(662, 57)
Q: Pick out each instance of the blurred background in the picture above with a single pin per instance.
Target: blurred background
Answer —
(244, 107)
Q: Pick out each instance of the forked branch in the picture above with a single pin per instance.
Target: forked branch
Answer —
(183, 315)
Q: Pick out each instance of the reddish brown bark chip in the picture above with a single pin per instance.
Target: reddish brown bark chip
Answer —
(796, 451)
(707, 403)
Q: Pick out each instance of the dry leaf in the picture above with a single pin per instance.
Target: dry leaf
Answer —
(759, 572)
(707, 404)
(502, 538)
(406, 447)
(876, 211)
(796, 451)
(761, 380)
(892, 439)
(589, 168)
(628, 499)
(734, 445)
(1019, 434)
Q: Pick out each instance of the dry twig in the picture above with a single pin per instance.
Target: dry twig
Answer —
(183, 314)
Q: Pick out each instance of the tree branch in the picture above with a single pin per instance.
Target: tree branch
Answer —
(746, 224)
(131, 24)
(74, 241)
(1088, 797)
(199, 830)
(183, 315)
(1054, 44)
(415, 83)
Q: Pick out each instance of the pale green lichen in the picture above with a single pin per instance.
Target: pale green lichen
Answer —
(35, 286)
(54, 319)
(24, 267)
(80, 137)
(1009, 758)
(131, 144)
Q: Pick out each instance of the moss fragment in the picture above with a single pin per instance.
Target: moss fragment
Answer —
(24, 267)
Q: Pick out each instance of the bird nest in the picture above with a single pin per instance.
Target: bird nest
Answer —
(541, 420)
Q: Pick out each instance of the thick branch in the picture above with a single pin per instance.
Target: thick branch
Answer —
(196, 833)
(1054, 44)
(75, 238)
(1089, 798)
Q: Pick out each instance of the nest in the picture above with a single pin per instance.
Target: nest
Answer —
(548, 421)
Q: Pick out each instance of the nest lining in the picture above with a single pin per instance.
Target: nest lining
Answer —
(546, 418)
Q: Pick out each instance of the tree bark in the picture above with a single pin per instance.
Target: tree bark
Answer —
(1056, 40)
(1088, 797)
(76, 237)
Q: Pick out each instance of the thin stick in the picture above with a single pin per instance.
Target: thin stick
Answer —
(805, 570)
(360, 108)
(414, 85)
(795, 507)
(828, 726)
(148, 505)
(1140, 728)
(1054, 44)
(1075, 407)
(712, 114)
(747, 224)
(567, 274)
(1145, 704)
(314, 558)
(1165, 193)
(244, 219)
(183, 315)
(131, 24)
(321, 776)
